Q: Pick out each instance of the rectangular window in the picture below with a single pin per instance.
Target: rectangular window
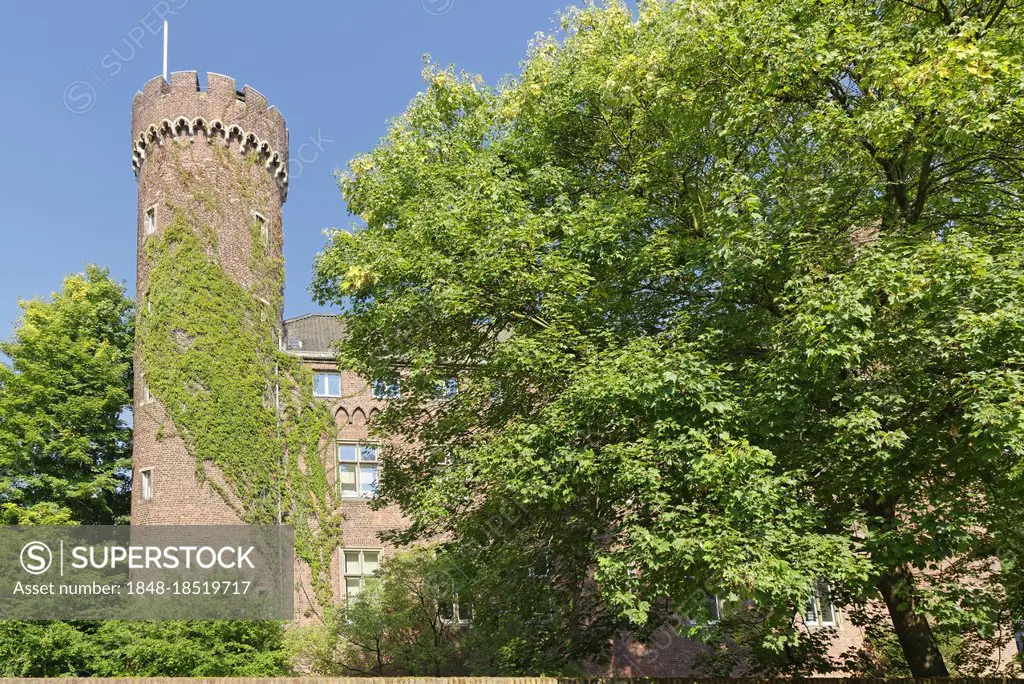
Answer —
(452, 609)
(358, 568)
(327, 385)
(385, 389)
(357, 470)
(264, 228)
(150, 221)
(819, 609)
(147, 397)
(146, 484)
(714, 609)
(446, 389)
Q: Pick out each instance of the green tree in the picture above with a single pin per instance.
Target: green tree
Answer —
(433, 612)
(732, 293)
(45, 648)
(65, 450)
(395, 626)
(190, 648)
(124, 648)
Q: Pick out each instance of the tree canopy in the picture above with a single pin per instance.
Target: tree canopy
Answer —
(125, 648)
(732, 294)
(65, 448)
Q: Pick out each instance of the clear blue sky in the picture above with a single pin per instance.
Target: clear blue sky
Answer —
(336, 69)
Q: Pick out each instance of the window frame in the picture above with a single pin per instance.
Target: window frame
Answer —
(456, 617)
(357, 467)
(149, 221)
(317, 375)
(361, 575)
(146, 486)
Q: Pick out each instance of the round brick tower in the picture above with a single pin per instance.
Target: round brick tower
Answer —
(219, 156)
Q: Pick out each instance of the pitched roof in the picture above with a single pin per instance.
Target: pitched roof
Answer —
(313, 335)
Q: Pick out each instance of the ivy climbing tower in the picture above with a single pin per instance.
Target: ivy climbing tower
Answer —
(212, 172)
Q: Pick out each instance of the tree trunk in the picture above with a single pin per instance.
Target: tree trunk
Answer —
(911, 626)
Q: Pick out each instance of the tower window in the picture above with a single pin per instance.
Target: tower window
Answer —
(358, 569)
(146, 484)
(357, 470)
(150, 221)
(327, 385)
(147, 397)
(264, 228)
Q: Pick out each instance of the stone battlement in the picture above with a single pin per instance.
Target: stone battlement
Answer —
(221, 112)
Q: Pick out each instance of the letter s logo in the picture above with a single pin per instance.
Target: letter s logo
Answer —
(36, 558)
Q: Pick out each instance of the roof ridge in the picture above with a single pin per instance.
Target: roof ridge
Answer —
(312, 315)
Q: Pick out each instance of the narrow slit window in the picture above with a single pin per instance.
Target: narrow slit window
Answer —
(147, 396)
(264, 228)
(146, 484)
(150, 221)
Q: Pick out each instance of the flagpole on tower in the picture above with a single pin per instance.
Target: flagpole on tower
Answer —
(165, 49)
